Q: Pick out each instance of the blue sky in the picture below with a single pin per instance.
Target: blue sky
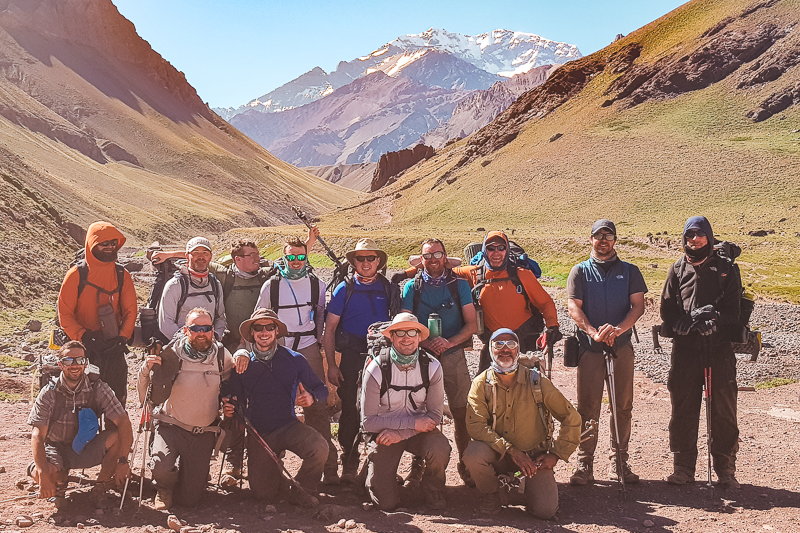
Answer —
(235, 50)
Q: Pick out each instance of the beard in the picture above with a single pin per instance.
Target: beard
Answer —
(201, 344)
(105, 257)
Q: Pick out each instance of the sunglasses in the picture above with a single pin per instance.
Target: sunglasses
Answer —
(69, 361)
(201, 329)
(694, 234)
(511, 345)
(251, 256)
(604, 236)
(406, 332)
(108, 244)
(367, 258)
(435, 255)
(272, 326)
(495, 247)
(293, 257)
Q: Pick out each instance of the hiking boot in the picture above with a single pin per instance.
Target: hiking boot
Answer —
(99, 495)
(330, 477)
(414, 477)
(60, 502)
(434, 499)
(465, 477)
(728, 481)
(629, 476)
(583, 475)
(163, 500)
(680, 477)
(349, 475)
(491, 503)
(302, 498)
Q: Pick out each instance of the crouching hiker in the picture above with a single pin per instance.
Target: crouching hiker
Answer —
(509, 418)
(265, 395)
(402, 399)
(185, 387)
(64, 437)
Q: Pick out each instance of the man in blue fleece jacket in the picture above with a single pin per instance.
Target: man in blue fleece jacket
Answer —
(274, 381)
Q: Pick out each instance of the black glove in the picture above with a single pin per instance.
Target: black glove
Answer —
(683, 325)
(553, 335)
(119, 342)
(93, 341)
(398, 277)
(705, 327)
(704, 313)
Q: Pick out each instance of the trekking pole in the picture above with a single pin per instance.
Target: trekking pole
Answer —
(308, 498)
(610, 355)
(704, 343)
(302, 216)
(635, 334)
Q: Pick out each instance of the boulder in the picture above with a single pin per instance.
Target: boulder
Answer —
(34, 325)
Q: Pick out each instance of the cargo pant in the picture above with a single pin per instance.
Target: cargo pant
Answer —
(685, 384)
(187, 478)
(484, 465)
(591, 382)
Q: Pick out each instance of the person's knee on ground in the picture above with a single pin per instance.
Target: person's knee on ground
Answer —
(478, 459)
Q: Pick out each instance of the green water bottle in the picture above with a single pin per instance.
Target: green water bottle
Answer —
(435, 325)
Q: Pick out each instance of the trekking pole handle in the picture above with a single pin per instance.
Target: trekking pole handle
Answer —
(302, 216)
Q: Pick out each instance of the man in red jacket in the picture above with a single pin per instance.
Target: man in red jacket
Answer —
(97, 306)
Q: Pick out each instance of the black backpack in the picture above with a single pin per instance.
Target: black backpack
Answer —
(535, 324)
(391, 290)
(184, 281)
(164, 375)
(452, 285)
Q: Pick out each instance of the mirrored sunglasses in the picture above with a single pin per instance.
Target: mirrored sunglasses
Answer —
(406, 332)
(196, 328)
(604, 236)
(293, 257)
(368, 258)
(495, 247)
(511, 345)
(435, 255)
(69, 361)
(272, 326)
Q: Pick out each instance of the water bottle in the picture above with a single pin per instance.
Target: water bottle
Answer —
(479, 316)
(435, 325)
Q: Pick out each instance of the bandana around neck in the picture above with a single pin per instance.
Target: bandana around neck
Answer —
(290, 273)
(197, 355)
(264, 356)
(242, 274)
(404, 360)
(434, 282)
(364, 280)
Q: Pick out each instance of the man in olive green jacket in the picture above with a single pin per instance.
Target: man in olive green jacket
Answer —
(509, 420)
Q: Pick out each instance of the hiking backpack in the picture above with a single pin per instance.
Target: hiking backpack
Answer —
(274, 303)
(516, 256)
(167, 372)
(452, 285)
(391, 290)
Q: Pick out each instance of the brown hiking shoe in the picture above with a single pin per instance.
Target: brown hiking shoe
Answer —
(434, 499)
(629, 476)
(99, 495)
(728, 481)
(491, 503)
(414, 477)
(163, 500)
(330, 477)
(583, 475)
(680, 477)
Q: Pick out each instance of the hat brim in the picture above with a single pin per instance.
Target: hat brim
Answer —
(350, 256)
(452, 262)
(246, 332)
(424, 332)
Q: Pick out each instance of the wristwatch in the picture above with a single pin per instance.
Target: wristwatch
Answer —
(122, 460)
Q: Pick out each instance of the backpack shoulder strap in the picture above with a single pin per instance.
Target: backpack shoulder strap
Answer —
(230, 281)
(83, 275)
(514, 277)
(544, 414)
(215, 288)
(314, 290)
(452, 286)
(184, 282)
(349, 287)
(417, 296)
(392, 292)
(385, 364)
(120, 276)
(424, 369)
(274, 292)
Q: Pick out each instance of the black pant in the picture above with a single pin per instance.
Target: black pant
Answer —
(685, 385)
(113, 370)
(350, 420)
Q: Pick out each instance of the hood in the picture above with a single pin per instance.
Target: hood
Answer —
(99, 232)
(494, 235)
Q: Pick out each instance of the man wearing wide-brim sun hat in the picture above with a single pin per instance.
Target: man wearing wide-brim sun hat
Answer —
(363, 298)
(276, 379)
(402, 399)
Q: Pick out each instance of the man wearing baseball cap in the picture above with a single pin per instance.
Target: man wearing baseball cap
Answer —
(192, 286)
(276, 379)
(363, 298)
(402, 399)
(606, 298)
(509, 418)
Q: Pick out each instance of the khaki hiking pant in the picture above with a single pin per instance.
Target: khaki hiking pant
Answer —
(484, 464)
(591, 382)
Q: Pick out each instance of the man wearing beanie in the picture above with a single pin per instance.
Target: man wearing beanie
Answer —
(606, 298)
(700, 307)
(509, 420)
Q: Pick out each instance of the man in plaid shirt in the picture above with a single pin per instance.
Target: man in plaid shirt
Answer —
(62, 407)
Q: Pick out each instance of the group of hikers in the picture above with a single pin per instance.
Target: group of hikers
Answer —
(244, 344)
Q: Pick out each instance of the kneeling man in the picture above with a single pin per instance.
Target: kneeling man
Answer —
(402, 399)
(64, 437)
(509, 418)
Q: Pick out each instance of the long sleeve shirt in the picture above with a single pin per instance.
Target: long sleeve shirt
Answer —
(171, 319)
(518, 423)
(394, 409)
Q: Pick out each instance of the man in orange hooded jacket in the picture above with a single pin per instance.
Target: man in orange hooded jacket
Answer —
(100, 309)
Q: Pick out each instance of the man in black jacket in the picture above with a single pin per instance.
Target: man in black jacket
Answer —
(700, 306)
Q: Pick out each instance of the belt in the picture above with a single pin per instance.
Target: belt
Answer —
(194, 430)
